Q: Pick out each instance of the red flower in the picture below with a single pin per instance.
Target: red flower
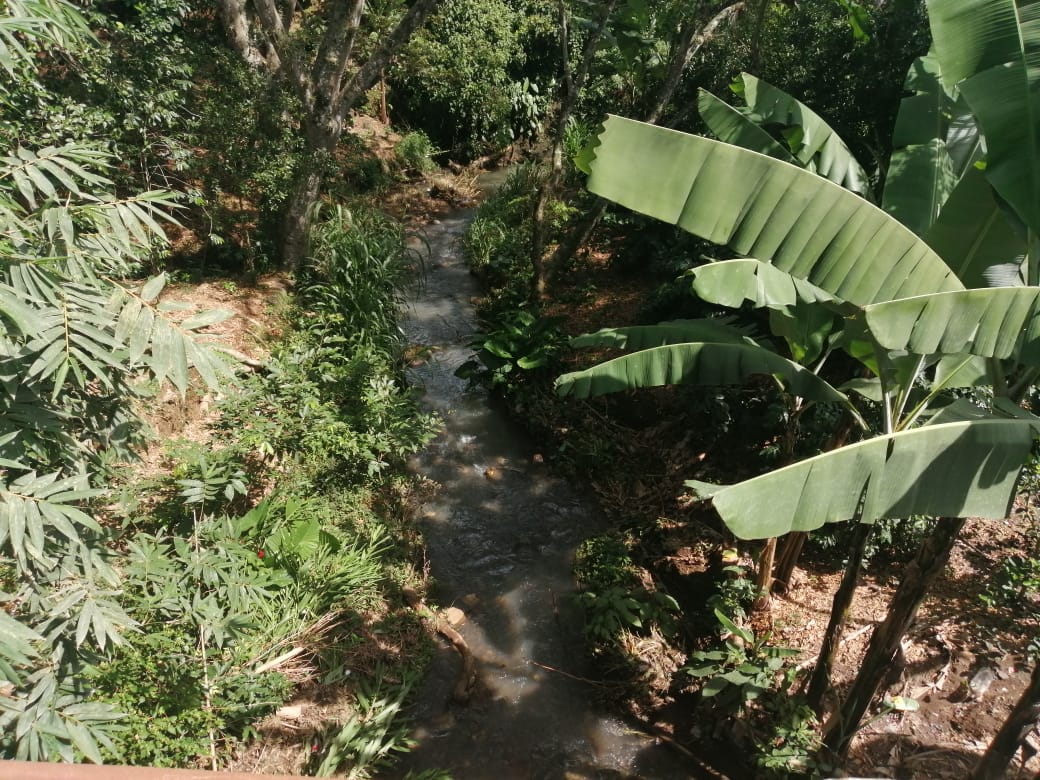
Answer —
(259, 553)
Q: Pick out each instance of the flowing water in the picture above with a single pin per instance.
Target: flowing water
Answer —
(501, 534)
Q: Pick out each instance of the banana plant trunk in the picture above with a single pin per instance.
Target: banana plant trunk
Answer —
(787, 561)
(929, 562)
(820, 682)
(764, 576)
(1001, 751)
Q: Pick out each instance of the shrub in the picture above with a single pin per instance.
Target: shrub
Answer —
(414, 153)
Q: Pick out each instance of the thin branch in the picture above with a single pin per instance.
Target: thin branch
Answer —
(368, 74)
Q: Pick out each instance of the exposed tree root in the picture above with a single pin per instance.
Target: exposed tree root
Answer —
(467, 681)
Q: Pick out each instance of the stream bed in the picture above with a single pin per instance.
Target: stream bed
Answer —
(501, 533)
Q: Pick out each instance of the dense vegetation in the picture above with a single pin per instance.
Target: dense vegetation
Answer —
(803, 285)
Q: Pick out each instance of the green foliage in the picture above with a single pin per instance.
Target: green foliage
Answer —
(159, 683)
(414, 153)
(810, 50)
(75, 339)
(1015, 584)
(359, 271)
(244, 178)
(736, 591)
(331, 398)
(497, 243)
(612, 597)
(787, 740)
(743, 669)
(369, 738)
(459, 79)
(340, 413)
(510, 354)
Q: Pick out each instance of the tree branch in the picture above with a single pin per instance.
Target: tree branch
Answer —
(691, 39)
(337, 44)
(365, 77)
(236, 26)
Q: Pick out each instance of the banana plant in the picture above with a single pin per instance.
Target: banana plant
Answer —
(825, 235)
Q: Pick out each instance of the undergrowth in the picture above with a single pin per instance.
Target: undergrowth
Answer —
(260, 560)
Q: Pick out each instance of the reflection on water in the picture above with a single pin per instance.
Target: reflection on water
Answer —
(501, 535)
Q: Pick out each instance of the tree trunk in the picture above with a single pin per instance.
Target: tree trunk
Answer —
(571, 90)
(795, 541)
(320, 83)
(785, 564)
(1019, 723)
(764, 576)
(820, 682)
(296, 226)
(884, 645)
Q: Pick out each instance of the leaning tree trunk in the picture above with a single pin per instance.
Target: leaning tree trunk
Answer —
(572, 88)
(1005, 744)
(820, 682)
(884, 646)
(788, 560)
(690, 42)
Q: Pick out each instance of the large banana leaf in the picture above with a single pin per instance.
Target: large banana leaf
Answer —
(720, 330)
(733, 126)
(816, 146)
(961, 469)
(761, 207)
(920, 172)
(732, 282)
(708, 364)
(975, 237)
(999, 323)
(990, 49)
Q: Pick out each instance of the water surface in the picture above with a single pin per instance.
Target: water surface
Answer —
(501, 534)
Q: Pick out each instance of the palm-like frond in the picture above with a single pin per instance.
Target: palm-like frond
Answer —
(28, 25)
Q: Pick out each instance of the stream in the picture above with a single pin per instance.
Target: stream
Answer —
(501, 534)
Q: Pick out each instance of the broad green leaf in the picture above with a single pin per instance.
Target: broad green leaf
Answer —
(973, 233)
(705, 364)
(153, 287)
(764, 208)
(734, 127)
(920, 179)
(1001, 322)
(990, 49)
(922, 171)
(962, 469)
(673, 332)
(732, 627)
(961, 371)
(734, 282)
(820, 147)
(206, 318)
(805, 328)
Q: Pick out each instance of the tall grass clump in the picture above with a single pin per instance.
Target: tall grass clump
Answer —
(497, 244)
(359, 272)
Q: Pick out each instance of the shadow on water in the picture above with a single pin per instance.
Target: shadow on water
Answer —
(501, 535)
